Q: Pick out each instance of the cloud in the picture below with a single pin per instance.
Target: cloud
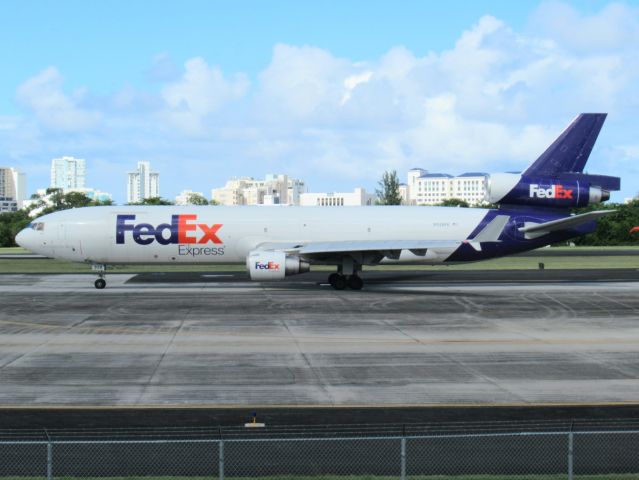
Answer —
(43, 95)
(200, 92)
(615, 27)
(492, 102)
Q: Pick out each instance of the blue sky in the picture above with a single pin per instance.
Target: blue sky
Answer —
(332, 92)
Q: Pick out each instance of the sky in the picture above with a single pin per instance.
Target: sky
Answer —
(331, 92)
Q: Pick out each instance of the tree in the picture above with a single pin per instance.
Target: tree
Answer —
(197, 199)
(10, 224)
(454, 202)
(214, 202)
(388, 193)
(154, 201)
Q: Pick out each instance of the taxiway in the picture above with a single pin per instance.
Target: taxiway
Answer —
(410, 338)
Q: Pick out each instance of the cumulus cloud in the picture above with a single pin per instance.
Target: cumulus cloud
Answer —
(492, 101)
(201, 91)
(44, 96)
(615, 27)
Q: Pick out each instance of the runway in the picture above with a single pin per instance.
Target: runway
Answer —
(408, 339)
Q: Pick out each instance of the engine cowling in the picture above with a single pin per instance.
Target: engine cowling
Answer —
(265, 265)
(514, 189)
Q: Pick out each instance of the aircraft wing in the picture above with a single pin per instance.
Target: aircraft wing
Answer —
(385, 248)
(533, 230)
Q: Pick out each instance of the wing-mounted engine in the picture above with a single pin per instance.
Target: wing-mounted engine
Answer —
(274, 265)
(563, 191)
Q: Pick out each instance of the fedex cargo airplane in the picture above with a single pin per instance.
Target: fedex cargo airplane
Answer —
(533, 211)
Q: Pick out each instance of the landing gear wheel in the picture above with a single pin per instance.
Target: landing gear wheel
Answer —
(337, 281)
(100, 283)
(354, 282)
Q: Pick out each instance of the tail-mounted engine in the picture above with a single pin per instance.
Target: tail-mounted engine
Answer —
(567, 191)
(272, 265)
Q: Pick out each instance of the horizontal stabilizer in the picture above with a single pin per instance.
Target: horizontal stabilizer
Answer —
(534, 230)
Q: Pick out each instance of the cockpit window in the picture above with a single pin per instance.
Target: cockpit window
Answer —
(39, 226)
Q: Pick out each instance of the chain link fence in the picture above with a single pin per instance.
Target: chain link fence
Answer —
(531, 455)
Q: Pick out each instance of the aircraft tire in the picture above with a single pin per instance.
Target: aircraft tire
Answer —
(354, 282)
(100, 283)
(337, 281)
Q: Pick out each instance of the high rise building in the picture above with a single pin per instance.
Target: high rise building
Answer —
(143, 183)
(13, 189)
(67, 173)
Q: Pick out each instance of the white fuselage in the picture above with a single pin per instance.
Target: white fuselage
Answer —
(212, 234)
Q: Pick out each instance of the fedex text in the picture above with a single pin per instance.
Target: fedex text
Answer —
(183, 230)
(267, 266)
(554, 191)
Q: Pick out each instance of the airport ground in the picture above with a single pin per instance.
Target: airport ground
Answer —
(198, 348)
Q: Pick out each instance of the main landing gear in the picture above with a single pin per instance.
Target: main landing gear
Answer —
(340, 282)
(100, 283)
(346, 276)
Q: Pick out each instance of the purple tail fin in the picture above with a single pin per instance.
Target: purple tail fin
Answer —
(570, 151)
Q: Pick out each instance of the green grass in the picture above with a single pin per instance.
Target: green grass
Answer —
(5, 250)
(508, 263)
(588, 260)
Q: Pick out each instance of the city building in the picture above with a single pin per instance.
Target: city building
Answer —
(273, 190)
(67, 173)
(423, 188)
(184, 197)
(357, 197)
(13, 188)
(143, 183)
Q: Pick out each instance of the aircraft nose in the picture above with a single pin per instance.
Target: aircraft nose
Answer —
(25, 239)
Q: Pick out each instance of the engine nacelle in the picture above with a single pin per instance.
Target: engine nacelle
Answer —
(510, 188)
(264, 265)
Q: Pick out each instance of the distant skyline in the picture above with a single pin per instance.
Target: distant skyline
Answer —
(333, 93)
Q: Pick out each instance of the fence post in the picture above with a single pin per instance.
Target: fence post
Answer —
(221, 459)
(570, 455)
(403, 459)
(49, 456)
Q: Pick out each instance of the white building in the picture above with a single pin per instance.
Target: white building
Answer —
(13, 189)
(67, 173)
(357, 197)
(184, 198)
(273, 190)
(425, 188)
(143, 183)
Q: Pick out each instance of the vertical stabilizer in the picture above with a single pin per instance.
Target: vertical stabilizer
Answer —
(570, 151)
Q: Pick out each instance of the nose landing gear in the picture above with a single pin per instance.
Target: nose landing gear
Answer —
(100, 283)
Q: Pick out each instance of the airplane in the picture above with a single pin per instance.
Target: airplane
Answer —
(533, 210)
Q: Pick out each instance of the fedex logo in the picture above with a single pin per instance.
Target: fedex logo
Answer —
(555, 191)
(267, 266)
(183, 229)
